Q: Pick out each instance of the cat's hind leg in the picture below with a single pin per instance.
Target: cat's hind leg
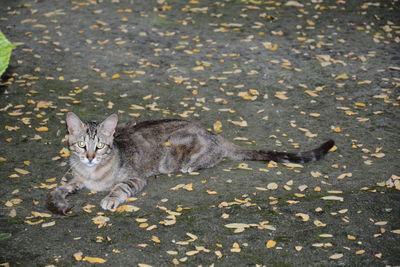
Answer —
(122, 192)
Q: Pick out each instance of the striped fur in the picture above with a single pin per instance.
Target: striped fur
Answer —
(107, 157)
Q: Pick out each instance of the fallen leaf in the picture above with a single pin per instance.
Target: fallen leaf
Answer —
(293, 4)
(100, 220)
(336, 256)
(270, 244)
(304, 217)
(48, 224)
(21, 171)
(217, 127)
(272, 186)
(78, 256)
(42, 129)
(332, 198)
(342, 76)
(344, 175)
(94, 259)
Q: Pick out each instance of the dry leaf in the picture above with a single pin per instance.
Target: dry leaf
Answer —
(127, 208)
(217, 127)
(336, 256)
(270, 244)
(48, 224)
(344, 175)
(304, 217)
(94, 259)
(21, 171)
(78, 256)
(333, 198)
(100, 220)
(272, 186)
(294, 4)
(42, 129)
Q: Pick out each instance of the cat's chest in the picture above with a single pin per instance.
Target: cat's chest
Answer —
(96, 179)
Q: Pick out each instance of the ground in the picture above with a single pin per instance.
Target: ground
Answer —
(284, 75)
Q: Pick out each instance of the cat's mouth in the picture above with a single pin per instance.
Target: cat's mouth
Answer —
(89, 163)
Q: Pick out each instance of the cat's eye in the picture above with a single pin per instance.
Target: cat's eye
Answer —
(81, 144)
(100, 145)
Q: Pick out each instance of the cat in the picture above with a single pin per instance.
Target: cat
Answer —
(118, 158)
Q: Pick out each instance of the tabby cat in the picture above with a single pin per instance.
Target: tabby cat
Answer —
(108, 156)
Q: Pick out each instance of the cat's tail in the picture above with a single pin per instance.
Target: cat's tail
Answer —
(241, 153)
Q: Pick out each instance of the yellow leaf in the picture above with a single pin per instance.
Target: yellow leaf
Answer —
(217, 127)
(270, 46)
(237, 225)
(344, 175)
(239, 123)
(192, 252)
(272, 164)
(21, 171)
(342, 76)
(281, 95)
(336, 129)
(311, 93)
(304, 217)
(359, 252)
(44, 104)
(64, 152)
(144, 265)
(33, 223)
(48, 224)
(78, 256)
(272, 186)
(336, 256)
(351, 237)
(326, 235)
(94, 259)
(188, 187)
(270, 244)
(40, 214)
(155, 239)
(198, 68)
(332, 198)
(100, 220)
(378, 155)
(127, 208)
(115, 76)
(42, 129)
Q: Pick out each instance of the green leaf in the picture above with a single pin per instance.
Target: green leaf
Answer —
(5, 52)
(4, 236)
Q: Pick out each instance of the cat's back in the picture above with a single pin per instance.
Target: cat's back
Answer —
(151, 128)
(153, 131)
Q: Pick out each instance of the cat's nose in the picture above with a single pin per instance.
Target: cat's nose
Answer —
(90, 157)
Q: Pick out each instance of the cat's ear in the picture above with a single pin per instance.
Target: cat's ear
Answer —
(74, 124)
(107, 127)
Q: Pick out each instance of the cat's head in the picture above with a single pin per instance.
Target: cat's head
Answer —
(91, 141)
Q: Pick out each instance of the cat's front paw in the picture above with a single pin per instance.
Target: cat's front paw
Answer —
(56, 203)
(109, 203)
